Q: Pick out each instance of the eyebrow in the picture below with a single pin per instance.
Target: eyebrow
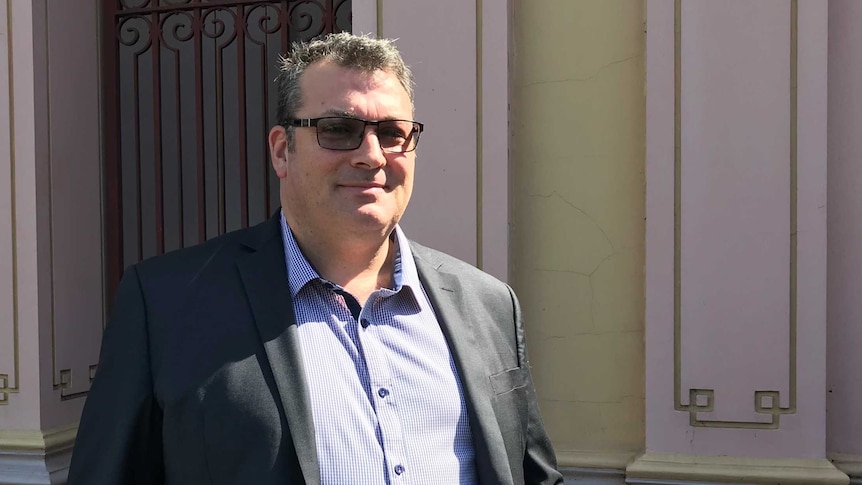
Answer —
(347, 114)
(340, 113)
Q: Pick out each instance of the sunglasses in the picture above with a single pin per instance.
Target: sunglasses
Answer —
(342, 133)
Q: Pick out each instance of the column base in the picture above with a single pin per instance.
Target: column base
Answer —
(594, 467)
(593, 476)
(662, 468)
(35, 457)
(849, 464)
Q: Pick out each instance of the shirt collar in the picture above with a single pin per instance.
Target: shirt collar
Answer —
(300, 271)
(404, 267)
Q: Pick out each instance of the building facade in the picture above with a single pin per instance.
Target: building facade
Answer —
(669, 185)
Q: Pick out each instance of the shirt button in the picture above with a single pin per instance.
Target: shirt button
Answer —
(383, 392)
(399, 469)
(365, 323)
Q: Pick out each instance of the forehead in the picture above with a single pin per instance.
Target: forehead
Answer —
(330, 88)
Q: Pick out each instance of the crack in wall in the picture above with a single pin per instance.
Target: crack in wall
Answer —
(590, 77)
(581, 211)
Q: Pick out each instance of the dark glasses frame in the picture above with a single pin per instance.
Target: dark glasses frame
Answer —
(351, 142)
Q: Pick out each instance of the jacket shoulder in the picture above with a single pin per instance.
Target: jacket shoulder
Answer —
(221, 249)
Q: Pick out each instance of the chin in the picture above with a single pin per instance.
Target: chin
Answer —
(373, 220)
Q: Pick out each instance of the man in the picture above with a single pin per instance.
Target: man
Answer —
(321, 346)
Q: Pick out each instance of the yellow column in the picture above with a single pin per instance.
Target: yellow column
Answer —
(578, 220)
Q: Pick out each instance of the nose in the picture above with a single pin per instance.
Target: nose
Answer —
(369, 154)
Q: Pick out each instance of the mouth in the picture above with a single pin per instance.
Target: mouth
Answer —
(363, 186)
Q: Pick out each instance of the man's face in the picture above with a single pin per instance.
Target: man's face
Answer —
(356, 193)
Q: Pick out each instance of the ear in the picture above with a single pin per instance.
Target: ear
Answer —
(278, 150)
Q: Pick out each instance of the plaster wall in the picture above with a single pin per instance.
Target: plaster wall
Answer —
(578, 220)
(844, 393)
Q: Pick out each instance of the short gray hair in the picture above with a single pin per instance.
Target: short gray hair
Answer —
(364, 53)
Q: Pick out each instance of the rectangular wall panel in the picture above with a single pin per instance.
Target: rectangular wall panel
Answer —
(20, 195)
(735, 281)
(460, 202)
(8, 291)
(844, 396)
(443, 209)
(734, 193)
(75, 310)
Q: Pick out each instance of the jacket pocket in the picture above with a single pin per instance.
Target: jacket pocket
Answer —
(508, 380)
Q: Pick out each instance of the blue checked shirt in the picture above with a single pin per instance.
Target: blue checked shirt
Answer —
(385, 395)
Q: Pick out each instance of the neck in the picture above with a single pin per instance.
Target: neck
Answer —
(357, 265)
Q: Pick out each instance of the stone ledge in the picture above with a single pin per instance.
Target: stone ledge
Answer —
(35, 457)
(849, 464)
(593, 476)
(650, 467)
(38, 440)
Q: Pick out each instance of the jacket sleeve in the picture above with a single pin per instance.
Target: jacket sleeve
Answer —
(540, 463)
(119, 437)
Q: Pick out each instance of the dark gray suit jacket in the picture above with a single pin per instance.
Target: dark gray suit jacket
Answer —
(201, 380)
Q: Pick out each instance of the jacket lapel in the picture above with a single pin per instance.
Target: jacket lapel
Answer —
(457, 321)
(263, 274)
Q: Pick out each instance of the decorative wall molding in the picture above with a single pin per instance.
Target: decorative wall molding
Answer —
(65, 376)
(660, 468)
(702, 400)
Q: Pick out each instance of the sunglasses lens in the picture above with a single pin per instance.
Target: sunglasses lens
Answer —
(396, 136)
(340, 133)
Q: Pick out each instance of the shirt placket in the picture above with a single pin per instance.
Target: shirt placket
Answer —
(384, 396)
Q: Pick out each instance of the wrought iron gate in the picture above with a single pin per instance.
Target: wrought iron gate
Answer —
(188, 107)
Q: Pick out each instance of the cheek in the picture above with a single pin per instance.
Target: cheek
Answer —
(408, 177)
(403, 169)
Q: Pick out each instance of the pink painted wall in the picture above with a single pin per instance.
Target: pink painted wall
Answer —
(72, 334)
(22, 272)
(735, 205)
(844, 397)
(51, 223)
(459, 53)
(442, 212)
